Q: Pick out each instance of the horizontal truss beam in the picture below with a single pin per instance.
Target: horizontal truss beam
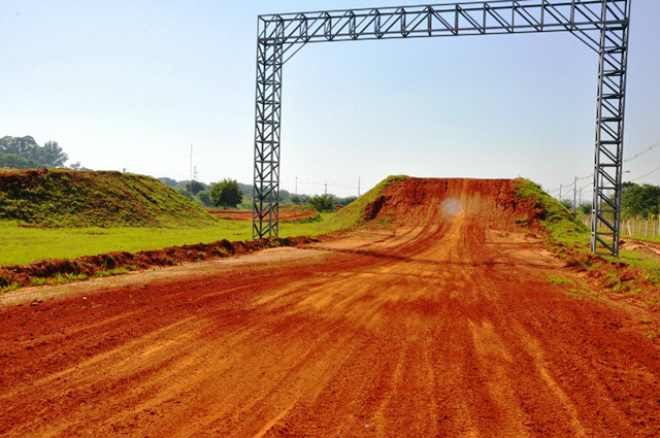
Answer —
(495, 17)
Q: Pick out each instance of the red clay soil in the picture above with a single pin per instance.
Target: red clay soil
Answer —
(89, 266)
(246, 215)
(444, 325)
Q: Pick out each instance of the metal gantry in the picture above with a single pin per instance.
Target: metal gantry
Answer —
(601, 24)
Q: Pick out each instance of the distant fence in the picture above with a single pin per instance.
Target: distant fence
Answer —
(636, 228)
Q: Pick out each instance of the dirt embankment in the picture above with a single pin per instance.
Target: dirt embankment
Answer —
(422, 202)
(89, 266)
(450, 322)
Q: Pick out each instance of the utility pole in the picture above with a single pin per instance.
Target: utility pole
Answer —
(580, 197)
(560, 188)
(191, 162)
(358, 186)
(296, 186)
(575, 195)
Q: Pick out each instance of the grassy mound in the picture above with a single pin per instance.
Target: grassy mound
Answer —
(564, 226)
(354, 213)
(65, 198)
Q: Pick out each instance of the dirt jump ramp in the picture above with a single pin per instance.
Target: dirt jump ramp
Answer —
(437, 320)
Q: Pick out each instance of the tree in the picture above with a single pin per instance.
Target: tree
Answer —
(323, 203)
(21, 146)
(205, 198)
(640, 200)
(185, 193)
(12, 161)
(169, 182)
(195, 186)
(586, 208)
(49, 155)
(226, 193)
(285, 196)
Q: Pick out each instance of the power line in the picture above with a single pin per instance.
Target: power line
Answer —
(632, 158)
(319, 183)
(644, 176)
(587, 185)
(645, 151)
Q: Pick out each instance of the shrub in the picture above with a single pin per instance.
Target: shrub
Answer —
(323, 203)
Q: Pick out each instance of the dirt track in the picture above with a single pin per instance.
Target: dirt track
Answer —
(444, 325)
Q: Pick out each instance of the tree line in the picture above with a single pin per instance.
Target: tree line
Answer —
(203, 194)
(636, 201)
(26, 153)
(323, 203)
(640, 200)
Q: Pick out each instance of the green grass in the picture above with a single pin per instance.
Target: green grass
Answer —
(10, 287)
(560, 281)
(573, 290)
(25, 245)
(116, 271)
(21, 245)
(648, 264)
(639, 229)
(581, 292)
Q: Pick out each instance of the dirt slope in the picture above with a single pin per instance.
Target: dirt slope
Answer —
(66, 198)
(444, 325)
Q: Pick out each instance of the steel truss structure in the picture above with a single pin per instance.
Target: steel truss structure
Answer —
(601, 24)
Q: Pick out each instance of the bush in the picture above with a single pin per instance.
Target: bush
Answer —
(586, 208)
(323, 203)
(226, 193)
(205, 198)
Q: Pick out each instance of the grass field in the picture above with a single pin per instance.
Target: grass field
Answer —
(20, 245)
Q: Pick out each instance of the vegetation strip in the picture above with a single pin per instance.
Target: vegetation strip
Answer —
(60, 271)
(568, 239)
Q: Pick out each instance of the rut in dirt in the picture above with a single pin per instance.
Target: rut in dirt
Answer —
(440, 324)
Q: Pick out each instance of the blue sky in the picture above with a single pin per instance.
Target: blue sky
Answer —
(130, 84)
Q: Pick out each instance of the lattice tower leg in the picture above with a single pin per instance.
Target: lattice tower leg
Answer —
(265, 216)
(608, 166)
